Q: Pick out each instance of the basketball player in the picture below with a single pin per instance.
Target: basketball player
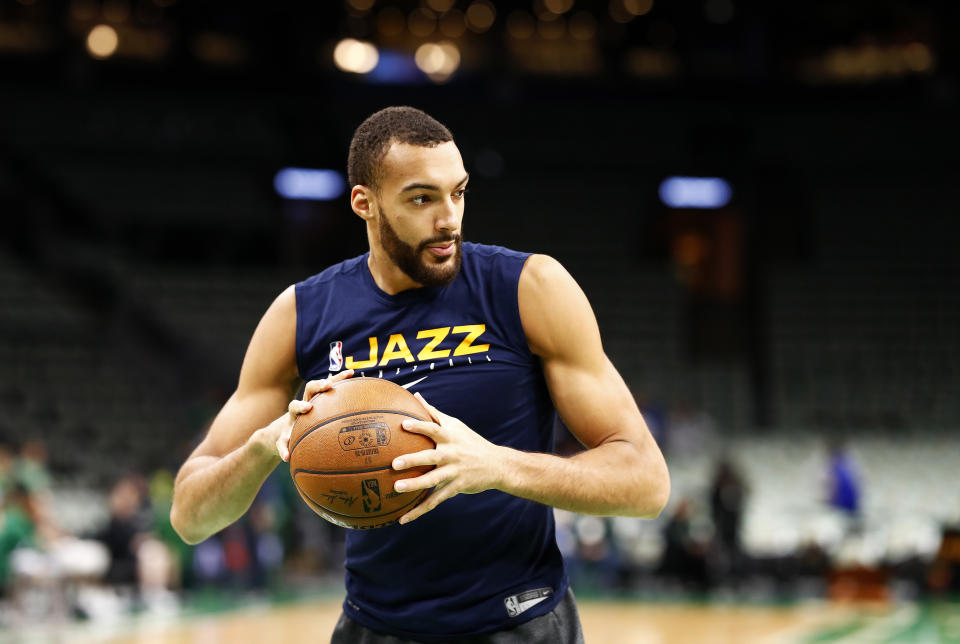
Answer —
(494, 342)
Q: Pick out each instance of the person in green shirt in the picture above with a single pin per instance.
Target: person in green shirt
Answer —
(17, 528)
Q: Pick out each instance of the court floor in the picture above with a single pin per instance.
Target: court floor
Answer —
(604, 622)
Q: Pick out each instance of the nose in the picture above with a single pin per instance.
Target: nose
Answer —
(448, 219)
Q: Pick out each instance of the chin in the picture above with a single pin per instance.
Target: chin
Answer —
(441, 271)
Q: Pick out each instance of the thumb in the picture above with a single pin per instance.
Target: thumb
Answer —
(283, 445)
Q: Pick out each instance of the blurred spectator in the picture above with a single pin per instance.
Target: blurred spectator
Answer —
(727, 497)
(239, 554)
(121, 534)
(684, 558)
(17, 528)
(843, 480)
(598, 562)
(270, 519)
(139, 561)
(31, 468)
(943, 576)
(7, 465)
(250, 553)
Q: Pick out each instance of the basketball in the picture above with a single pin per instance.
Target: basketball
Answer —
(341, 453)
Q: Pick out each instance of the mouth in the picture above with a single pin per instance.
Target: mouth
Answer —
(443, 249)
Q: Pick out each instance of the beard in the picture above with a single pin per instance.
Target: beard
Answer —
(429, 271)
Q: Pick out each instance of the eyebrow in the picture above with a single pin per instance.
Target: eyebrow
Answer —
(427, 186)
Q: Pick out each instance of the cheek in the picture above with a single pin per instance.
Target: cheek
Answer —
(412, 230)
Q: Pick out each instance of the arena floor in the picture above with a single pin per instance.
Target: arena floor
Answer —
(604, 623)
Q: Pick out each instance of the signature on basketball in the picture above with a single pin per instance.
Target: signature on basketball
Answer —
(336, 495)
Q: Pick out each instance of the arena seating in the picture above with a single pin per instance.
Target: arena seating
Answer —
(862, 336)
(866, 336)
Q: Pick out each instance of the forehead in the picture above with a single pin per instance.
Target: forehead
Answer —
(440, 165)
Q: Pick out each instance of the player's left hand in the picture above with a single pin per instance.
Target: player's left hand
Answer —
(466, 463)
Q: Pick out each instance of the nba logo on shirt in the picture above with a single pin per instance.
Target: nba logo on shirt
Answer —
(336, 356)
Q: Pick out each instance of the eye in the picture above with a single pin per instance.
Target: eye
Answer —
(420, 200)
(459, 194)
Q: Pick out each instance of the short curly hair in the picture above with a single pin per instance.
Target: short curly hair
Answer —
(400, 124)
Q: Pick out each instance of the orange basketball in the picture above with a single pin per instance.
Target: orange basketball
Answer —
(341, 453)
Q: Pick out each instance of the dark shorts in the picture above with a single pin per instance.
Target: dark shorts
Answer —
(559, 626)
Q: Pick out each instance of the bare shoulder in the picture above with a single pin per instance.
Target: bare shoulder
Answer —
(553, 308)
(271, 356)
(540, 269)
(268, 379)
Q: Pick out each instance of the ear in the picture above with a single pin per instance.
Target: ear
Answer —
(361, 198)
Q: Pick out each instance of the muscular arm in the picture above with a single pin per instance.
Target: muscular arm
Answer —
(622, 472)
(220, 479)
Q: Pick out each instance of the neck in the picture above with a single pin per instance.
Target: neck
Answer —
(387, 275)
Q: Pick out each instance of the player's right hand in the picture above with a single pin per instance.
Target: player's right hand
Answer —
(297, 407)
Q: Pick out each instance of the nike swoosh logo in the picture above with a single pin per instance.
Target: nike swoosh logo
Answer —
(410, 384)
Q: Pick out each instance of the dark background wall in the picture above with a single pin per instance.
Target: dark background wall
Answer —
(142, 236)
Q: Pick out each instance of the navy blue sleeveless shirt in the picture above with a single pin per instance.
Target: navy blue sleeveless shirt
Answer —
(476, 563)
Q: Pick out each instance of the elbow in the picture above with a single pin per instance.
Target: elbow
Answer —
(659, 499)
(182, 527)
(657, 495)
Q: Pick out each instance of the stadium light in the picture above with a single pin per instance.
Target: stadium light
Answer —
(102, 41)
(695, 192)
(480, 16)
(438, 60)
(355, 56)
(310, 184)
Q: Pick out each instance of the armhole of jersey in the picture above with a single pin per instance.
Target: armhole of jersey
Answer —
(299, 333)
(516, 308)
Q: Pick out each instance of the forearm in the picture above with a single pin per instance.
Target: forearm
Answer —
(212, 492)
(610, 479)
